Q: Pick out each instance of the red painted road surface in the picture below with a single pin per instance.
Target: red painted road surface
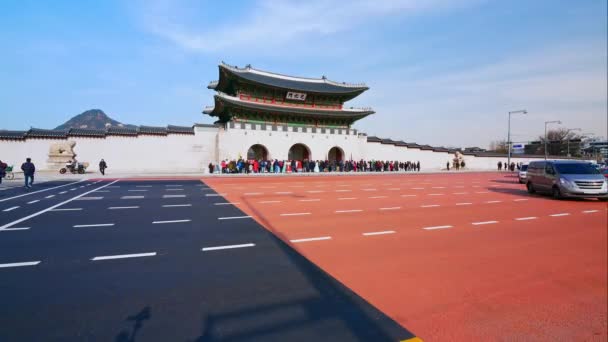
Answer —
(493, 264)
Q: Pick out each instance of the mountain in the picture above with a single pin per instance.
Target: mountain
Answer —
(93, 119)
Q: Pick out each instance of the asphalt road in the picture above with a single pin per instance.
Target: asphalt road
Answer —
(162, 261)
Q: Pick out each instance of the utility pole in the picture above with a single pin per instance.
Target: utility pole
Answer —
(546, 123)
(522, 111)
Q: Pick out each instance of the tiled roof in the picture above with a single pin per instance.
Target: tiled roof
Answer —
(121, 131)
(86, 132)
(181, 129)
(373, 139)
(12, 134)
(152, 130)
(46, 133)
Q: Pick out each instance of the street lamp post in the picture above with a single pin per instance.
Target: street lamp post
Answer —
(568, 137)
(546, 123)
(522, 111)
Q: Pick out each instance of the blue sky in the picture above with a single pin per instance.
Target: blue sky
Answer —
(440, 72)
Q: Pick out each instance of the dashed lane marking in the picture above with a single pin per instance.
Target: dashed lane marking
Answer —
(206, 195)
(93, 225)
(436, 194)
(50, 196)
(430, 206)
(15, 228)
(226, 203)
(409, 195)
(464, 203)
(131, 207)
(483, 223)
(170, 221)
(244, 245)
(346, 198)
(178, 196)
(266, 202)
(526, 218)
(143, 186)
(375, 197)
(253, 193)
(233, 217)
(11, 208)
(438, 187)
(393, 189)
(174, 189)
(560, 214)
(123, 256)
(520, 199)
(315, 191)
(283, 192)
(417, 188)
(348, 211)
(369, 189)
(343, 190)
(67, 209)
(39, 191)
(311, 239)
(137, 190)
(102, 191)
(379, 233)
(310, 200)
(88, 198)
(32, 202)
(20, 264)
(437, 227)
(295, 214)
(132, 197)
(589, 211)
(460, 193)
(482, 192)
(174, 185)
(62, 192)
(114, 186)
(391, 208)
(490, 202)
(176, 205)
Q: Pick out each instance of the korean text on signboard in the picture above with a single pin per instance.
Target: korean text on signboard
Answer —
(296, 96)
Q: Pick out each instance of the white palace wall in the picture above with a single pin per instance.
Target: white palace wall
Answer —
(192, 153)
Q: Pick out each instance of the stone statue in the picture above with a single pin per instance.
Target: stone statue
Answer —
(61, 153)
(458, 160)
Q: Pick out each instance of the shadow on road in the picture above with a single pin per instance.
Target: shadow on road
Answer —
(138, 322)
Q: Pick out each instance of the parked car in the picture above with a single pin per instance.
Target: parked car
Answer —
(566, 179)
(523, 174)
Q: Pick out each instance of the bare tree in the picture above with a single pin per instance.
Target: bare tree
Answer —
(499, 146)
(558, 141)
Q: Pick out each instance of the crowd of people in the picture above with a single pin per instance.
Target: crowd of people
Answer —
(509, 167)
(294, 166)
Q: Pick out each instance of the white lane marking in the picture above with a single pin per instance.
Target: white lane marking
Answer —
(226, 203)
(346, 198)
(143, 186)
(32, 202)
(344, 190)
(379, 233)
(283, 192)
(176, 205)
(520, 199)
(170, 221)
(20, 264)
(311, 239)
(265, 202)
(348, 211)
(409, 195)
(50, 196)
(560, 214)
(15, 228)
(482, 192)
(233, 217)
(206, 249)
(460, 193)
(476, 186)
(82, 186)
(93, 225)
(526, 218)
(438, 187)
(131, 207)
(343, 185)
(123, 256)
(417, 188)
(35, 192)
(176, 196)
(11, 208)
(131, 197)
(589, 211)
(310, 200)
(252, 193)
(315, 191)
(89, 198)
(102, 191)
(295, 214)
(393, 189)
(67, 209)
(437, 227)
(62, 192)
(430, 206)
(464, 203)
(174, 185)
(436, 194)
(372, 189)
(298, 186)
(459, 186)
(483, 222)
(490, 202)
(267, 187)
(206, 195)
(378, 197)
(176, 189)
(391, 208)
(137, 190)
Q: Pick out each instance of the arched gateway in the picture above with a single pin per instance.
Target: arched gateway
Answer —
(298, 152)
(335, 154)
(257, 152)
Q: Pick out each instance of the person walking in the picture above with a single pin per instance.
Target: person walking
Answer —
(499, 166)
(448, 165)
(103, 166)
(418, 166)
(3, 167)
(28, 169)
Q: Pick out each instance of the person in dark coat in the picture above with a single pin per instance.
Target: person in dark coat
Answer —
(28, 169)
(103, 166)
(448, 165)
(3, 167)
(418, 166)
